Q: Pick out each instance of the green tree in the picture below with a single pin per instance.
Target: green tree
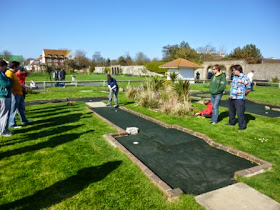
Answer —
(183, 50)
(122, 61)
(249, 52)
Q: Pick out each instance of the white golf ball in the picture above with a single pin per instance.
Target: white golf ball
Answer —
(266, 112)
(135, 142)
(116, 110)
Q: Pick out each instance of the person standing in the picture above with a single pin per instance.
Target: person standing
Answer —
(17, 102)
(250, 75)
(62, 75)
(114, 89)
(22, 74)
(56, 77)
(5, 100)
(217, 87)
(240, 87)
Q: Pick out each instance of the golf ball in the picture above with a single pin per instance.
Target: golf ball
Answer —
(135, 142)
(116, 110)
(266, 112)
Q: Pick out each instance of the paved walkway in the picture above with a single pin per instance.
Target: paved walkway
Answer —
(238, 196)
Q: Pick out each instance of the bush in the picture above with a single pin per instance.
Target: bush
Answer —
(154, 67)
(275, 80)
(92, 69)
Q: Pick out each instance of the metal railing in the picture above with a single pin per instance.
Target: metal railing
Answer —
(43, 85)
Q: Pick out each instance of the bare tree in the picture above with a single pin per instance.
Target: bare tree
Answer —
(7, 55)
(81, 60)
(206, 52)
(97, 59)
(141, 58)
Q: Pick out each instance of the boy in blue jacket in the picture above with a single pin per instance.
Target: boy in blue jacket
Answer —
(114, 89)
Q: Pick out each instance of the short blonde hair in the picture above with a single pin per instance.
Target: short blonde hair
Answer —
(206, 101)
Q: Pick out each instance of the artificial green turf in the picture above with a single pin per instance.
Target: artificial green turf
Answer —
(62, 161)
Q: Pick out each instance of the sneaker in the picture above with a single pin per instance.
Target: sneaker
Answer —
(16, 126)
(108, 104)
(116, 106)
(241, 128)
(6, 134)
(27, 122)
(213, 123)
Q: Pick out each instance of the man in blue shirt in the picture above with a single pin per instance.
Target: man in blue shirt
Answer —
(114, 89)
(240, 87)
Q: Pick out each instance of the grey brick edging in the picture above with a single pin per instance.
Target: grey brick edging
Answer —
(175, 193)
(110, 137)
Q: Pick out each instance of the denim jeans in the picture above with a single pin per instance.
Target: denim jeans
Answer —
(5, 106)
(237, 105)
(17, 104)
(113, 92)
(215, 100)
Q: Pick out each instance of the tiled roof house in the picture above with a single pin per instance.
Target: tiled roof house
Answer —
(184, 69)
(56, 57)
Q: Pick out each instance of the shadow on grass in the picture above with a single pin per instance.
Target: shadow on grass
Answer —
(51, 143)
(64, 189)
(248, 117)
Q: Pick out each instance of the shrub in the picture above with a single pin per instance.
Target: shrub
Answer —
(133, 91)
(92, 69)
(154, 67)
(275, 80)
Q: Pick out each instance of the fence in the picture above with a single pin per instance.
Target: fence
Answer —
(43, 85)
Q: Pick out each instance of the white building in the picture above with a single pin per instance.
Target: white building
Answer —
(183, 68)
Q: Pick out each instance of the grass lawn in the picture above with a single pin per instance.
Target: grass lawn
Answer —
(63, 162)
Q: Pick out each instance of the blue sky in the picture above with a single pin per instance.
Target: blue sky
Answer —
(118, 27)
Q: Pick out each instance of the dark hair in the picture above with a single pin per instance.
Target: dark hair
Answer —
(14, 64)
(3, 63)
(217, 67)
(238, 68)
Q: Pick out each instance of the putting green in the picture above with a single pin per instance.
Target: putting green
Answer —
(179, 159)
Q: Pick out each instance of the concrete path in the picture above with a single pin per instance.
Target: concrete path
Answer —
(237, 197)
(96, 104)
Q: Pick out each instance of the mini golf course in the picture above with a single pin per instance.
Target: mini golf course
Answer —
(180, 159)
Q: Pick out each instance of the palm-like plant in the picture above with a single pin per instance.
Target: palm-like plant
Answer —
(182, 89)
(156, 83)
(173, 76)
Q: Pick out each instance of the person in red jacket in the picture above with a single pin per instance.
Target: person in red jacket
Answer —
(207, 113)
(22, 74)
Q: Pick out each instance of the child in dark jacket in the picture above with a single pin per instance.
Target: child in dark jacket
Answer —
(207, 113)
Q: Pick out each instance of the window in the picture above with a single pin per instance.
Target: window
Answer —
(50, 55)
(61, 56)
(55, 60)
(61, 60)
(49, 60)
(55, 56)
